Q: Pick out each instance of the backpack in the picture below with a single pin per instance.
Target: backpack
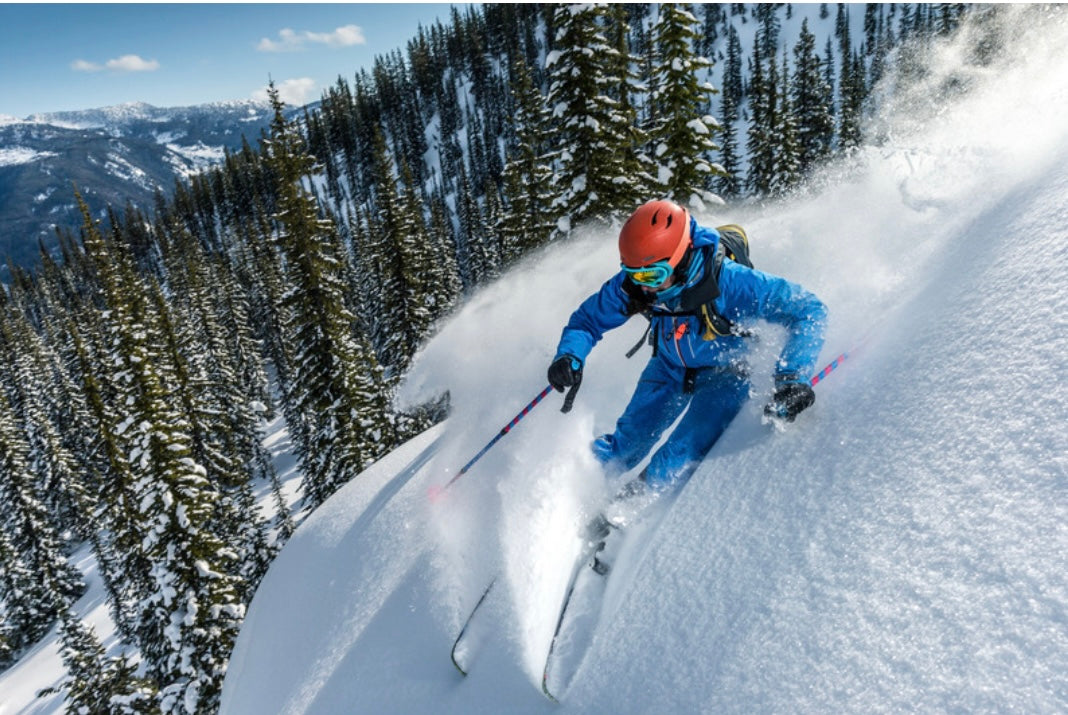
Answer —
(734, 244)
(700, 299)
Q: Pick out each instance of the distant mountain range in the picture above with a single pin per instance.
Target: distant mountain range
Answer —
(113, 155)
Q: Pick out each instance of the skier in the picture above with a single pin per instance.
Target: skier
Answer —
(697, 303)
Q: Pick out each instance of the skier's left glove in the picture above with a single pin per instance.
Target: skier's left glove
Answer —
(792, 397)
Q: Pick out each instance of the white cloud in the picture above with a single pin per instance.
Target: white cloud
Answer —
(85, 66)
(126, 63)
(132, 63)
(288, 39)
(296, 92)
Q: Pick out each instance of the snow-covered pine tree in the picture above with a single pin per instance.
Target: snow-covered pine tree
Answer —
(478, 257)
(730, 184)
(191, 614)
(529, 221)
(7, 652)
(491, 227)
(598, 174)
(380, 252)
(829, 78)
(337, 384)
(179, 579)
(430, 277)
(760, 136)
(785, 166)
(851, 92)
(812, 100)
(96, 682)
(682, 138)
(198, 367)
(443, 242)
(123, 567)
(32, 538)
(24, 617)
(34, 386)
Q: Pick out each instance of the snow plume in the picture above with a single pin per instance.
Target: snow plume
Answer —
(901, 547)
(519, 509)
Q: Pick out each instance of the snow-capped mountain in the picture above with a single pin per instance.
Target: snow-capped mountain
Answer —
(112, 155)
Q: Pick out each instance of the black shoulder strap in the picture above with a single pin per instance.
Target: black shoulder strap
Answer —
(701, 300)
(707, 290)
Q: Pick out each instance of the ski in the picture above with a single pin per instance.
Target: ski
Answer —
(591, 570)
(591, 559)
(464, 646)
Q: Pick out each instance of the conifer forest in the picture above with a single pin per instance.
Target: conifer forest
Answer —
(297, 279)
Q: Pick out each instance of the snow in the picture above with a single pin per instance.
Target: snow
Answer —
(12, 156)
(901, 547)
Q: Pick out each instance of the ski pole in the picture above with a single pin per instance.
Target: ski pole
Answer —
(831, 367)
(780, 411)
(435, 492)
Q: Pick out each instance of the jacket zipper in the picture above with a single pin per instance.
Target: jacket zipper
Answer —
(680, 330)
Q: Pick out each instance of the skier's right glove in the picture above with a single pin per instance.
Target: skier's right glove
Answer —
(791, 398)
(566, 371)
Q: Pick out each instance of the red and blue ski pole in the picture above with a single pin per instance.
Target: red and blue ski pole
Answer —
(436, 492)
(831, 367)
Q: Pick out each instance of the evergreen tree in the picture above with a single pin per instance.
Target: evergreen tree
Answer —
(389, 300)
(430, 276)
(479, 258)
(785, 174)
(851, 92)
(33, 386)
(529, 219)
(37, 574)
(599, 174)
(761, 136)
(97, 683)
(337, 384)
(123, 565)
(24, 617)
(812, 101)
(682, 139)
(730, 184)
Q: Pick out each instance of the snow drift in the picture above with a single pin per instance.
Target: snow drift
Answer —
(903, 546)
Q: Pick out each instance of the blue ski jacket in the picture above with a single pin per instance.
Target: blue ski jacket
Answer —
(681, 340)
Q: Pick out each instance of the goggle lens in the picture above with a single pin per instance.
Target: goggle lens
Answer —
(650, 276)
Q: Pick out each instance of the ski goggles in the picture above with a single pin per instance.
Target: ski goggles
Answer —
(650, 276)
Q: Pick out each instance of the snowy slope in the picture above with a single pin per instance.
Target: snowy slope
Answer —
(901, 547)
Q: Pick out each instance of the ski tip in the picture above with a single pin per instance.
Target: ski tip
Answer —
(545, 688)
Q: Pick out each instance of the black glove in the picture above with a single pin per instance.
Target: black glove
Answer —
(566, 371)
(790, 400)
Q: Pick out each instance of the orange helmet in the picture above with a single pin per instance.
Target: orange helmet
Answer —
(657, 231)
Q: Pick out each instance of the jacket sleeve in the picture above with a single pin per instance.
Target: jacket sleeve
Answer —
(749, 294)
(604, 310)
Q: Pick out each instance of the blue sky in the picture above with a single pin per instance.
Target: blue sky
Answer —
(57, 57)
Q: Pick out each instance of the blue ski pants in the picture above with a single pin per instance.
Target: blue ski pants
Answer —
(658, 400)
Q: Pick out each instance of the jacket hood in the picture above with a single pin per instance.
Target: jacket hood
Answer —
(701, 235)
